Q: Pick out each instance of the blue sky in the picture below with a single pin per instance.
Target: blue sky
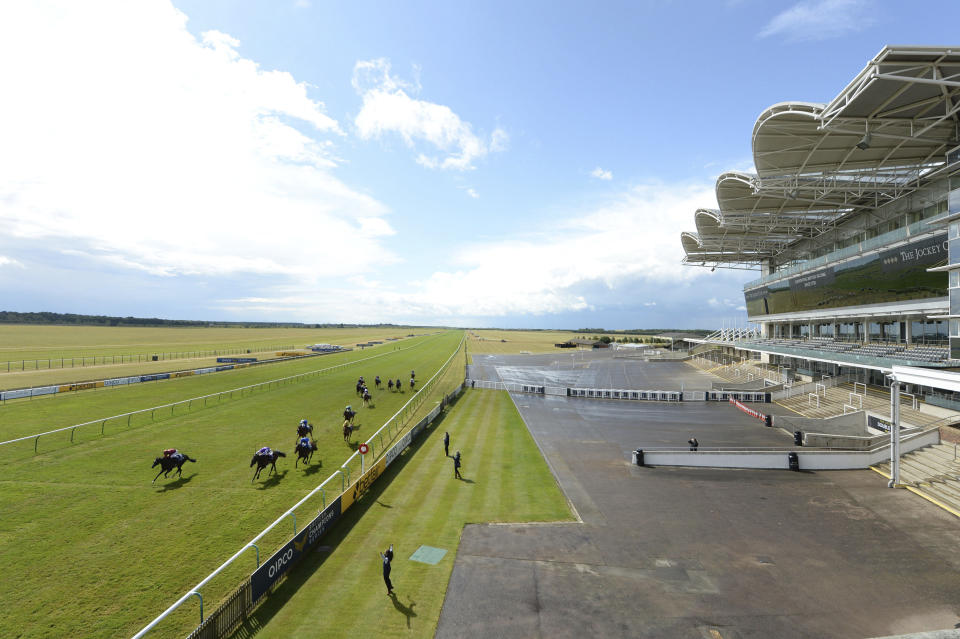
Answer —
(485, 164)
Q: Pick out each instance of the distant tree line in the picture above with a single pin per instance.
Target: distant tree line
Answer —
(73, 319)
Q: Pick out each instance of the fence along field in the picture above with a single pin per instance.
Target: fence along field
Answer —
(169, 411)
(22, 417)
(39, 355)
(106, 550)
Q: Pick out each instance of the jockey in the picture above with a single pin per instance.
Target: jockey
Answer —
(304, 442)
(170, 452)
(303, 422)
(264, 452)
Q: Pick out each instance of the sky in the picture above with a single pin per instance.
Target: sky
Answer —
(483, 164)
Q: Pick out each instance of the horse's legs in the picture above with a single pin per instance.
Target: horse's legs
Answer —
(158, 475)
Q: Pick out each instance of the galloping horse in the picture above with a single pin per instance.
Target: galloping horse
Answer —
(169, 463)
(304, 429)
(262, 461)
(305, 452)
(347, 430)
(367, 398)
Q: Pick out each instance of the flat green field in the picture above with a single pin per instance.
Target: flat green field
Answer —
(25, 416)
(340, 592)
(102, 550)
(81, 350)
(497, 342)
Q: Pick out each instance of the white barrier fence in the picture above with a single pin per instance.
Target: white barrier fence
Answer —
(219, 396)
(625, 394)
(778, 458)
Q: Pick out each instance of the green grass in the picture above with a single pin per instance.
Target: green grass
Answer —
(102, 551)
(417, 501)
(25, 363)
(23, 417)
(26, 341)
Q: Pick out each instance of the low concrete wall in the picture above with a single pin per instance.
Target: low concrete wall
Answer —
(777, 459)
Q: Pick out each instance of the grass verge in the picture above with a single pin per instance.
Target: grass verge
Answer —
(338, 591)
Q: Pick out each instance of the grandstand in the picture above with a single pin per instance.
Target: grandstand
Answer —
(852, 217)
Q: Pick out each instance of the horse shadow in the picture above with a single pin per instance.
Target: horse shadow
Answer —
(313, 468)
(407, 611)
(353, 445)
(272, 480)
(176, 483)
(467, 481)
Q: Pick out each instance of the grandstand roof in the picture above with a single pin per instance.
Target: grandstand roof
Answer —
(885, 133)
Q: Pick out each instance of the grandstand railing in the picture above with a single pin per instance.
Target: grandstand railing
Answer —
(392, 426)
(189, 402)
(917, 228)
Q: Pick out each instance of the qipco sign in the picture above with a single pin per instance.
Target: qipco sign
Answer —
(278, 564)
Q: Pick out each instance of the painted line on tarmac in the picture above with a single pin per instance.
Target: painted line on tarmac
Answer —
(913, 490)
(790, 409)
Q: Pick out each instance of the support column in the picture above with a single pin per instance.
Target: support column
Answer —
(909, 331)
(894, 434)
(865, 321)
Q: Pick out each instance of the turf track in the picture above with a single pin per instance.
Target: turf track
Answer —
(23, 417)
(100, 551)
(339, 592)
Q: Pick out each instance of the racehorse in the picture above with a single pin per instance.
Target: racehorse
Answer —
(412, 382)
(304, 429)
(399, 385)
(347, 430)
(263, 460)
(305, 452)
(349, 414)
(377, 382)
(390, 385)
(367, 398)
(169, 463)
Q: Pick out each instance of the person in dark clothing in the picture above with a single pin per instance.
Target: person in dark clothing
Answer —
(693, 443)
(446, 444)
(387, 557)
(456, 466)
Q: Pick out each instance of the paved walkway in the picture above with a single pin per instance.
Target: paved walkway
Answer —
(700, 553)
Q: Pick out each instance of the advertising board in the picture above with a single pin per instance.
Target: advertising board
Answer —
(358, 488)
(270, 571)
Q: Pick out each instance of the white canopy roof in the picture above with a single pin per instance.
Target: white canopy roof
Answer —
(888, 131)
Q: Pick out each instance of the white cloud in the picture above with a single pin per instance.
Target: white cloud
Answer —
(577, 264)
(649, 303)
(134, 143)
(600, 174)
(9, 261)
(820, 20)
(472, 193)
(388, 108)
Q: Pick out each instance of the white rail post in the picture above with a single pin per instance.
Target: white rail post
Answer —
(894, 433)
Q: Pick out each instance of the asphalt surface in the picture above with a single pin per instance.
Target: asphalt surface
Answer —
(699, 553)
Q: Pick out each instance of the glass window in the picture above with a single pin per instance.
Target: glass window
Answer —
(954, 279)
(954, 230)
(954, 328)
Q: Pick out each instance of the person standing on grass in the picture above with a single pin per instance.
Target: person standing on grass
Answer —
(446, 444)
(387, 557)
(456, 466)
